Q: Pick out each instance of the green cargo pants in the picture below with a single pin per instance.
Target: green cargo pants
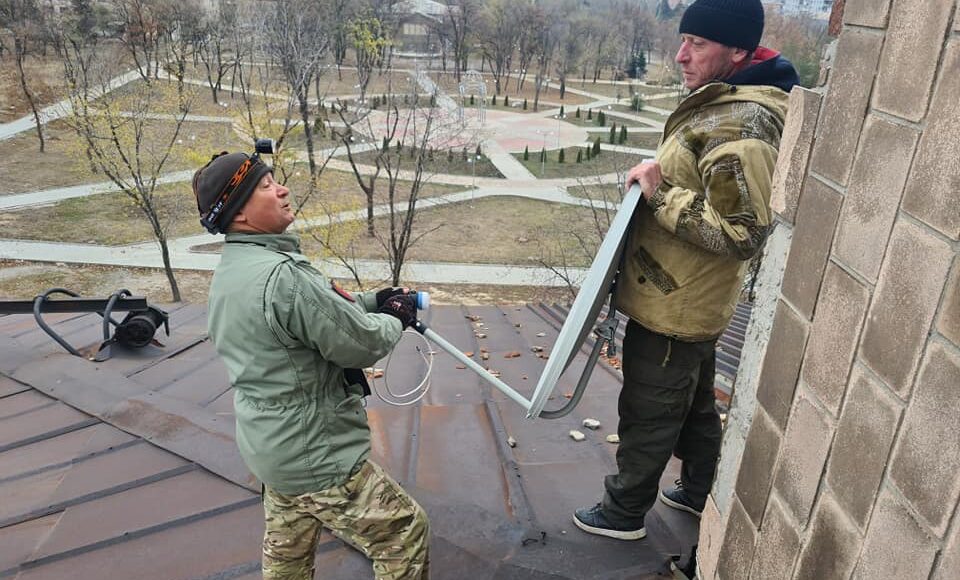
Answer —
(666, 406)
(371, 512)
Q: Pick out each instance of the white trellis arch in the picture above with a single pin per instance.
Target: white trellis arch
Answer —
(472, 83)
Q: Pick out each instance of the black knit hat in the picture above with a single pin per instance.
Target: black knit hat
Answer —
(224, 185)
(737, 23)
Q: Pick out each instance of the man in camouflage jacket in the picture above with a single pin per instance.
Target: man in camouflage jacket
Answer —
(292, 342)
(706, 213)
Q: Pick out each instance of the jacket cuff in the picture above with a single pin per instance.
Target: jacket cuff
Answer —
(659, 197)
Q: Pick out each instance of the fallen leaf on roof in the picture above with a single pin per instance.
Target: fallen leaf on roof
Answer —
(481, 335)
(541, 334)
(460, 367)
(536, 348)
(484, 355)
(512, 354)
(483, 349)
(468, 353)
(576, 435)
(568, 395)
(472, 317)
(377, 374)
(613, 438)
(524, 377)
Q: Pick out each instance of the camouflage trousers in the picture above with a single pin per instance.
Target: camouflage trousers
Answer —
(370, 511)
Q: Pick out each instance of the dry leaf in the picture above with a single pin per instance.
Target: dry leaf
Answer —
(536, 348)
(468, 353)
(484, 356)
(512, 354)
(541, 334)
(460, 367)
(481, 335)
(568, 395)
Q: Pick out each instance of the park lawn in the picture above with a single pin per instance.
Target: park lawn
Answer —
(199, 99)
(668, 103)
(609, 192)
(45, 77)
(641, 113)
(635, 138)
(582, 121)
(442, 162)
(620, 90)
(549, 95)
(113, 219)
(502, 230)
(606, 162)
(24, 280)
(64, 163)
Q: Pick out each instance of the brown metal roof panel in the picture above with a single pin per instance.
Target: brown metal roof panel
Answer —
(167, 370)
(23, 402)
(188, 549)
(24, 495)
(38, 423)
(457, 456)
(21, 540)
(60, 451)
(202, 386)
(392, 436)
(10, 387)
(144, 507)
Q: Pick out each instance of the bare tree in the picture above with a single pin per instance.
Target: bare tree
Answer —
(212, 46)
(369, 40)
(498, 35)
(126, 145)
(459, 18)
(404, 153)
(142, 31)
(297, 43)
(24, 20)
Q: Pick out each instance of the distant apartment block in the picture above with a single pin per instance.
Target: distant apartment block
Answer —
(813, 7)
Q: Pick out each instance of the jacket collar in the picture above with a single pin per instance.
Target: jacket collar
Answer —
(275, 242)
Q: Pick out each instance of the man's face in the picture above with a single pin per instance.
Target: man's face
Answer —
(703, 61)
(268, 209)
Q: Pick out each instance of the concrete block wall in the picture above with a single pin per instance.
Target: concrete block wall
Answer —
(851, 462)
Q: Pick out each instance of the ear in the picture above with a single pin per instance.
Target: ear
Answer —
(739, 56)
(240, 217)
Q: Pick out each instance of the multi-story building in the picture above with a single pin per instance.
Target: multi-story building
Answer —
(814, 7)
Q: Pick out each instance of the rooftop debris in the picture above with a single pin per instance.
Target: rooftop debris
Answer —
(512, 354)
(577, 435)
(591, 423)
(613, 438)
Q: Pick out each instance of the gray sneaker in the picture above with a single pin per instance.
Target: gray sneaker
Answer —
(592, 521)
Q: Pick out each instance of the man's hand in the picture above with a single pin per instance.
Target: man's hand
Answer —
(389, 292)
(401, 306)
(648, 175)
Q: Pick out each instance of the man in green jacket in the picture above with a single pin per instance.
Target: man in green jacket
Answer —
(293, 343)
(707, 212)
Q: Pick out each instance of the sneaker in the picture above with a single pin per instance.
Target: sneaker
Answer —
(592, 521)
(678, 499)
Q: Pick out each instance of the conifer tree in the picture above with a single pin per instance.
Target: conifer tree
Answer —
(560, 156)
(613, 133)
(623, 134)
(579, 155)
(526, 153)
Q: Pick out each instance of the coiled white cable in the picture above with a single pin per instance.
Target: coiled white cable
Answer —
(419, 391)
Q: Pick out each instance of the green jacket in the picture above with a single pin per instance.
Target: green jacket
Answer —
(286, 336)
(686, 250)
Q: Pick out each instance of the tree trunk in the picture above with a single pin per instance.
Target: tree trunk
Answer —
(20, 50)
(168, 269)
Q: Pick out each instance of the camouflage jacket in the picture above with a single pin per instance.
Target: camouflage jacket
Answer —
(686, 250)
(286, 334)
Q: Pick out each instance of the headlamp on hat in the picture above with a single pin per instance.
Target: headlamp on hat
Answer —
(224, 185)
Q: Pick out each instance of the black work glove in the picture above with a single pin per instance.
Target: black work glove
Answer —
(383, 295)
(403, 307)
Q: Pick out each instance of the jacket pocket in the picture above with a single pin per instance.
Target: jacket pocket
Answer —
(651, 271)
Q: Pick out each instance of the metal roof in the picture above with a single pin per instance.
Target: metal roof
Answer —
(128, 468)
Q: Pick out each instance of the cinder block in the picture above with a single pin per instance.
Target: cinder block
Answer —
(895, 545)
(909, 61)
(711, 539)
(737, 553)
(833, 544)
(949, 567)
(777, 546)
(812, 237)
(798, 132)
(904, 303)
(858, 52)
(861, 447)
(756, 467)
(781, 364)
(802, 456)
(876, 184)
(933, 190)
(866, 12)
(926, 461)
(948, 323)
(833, 336)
